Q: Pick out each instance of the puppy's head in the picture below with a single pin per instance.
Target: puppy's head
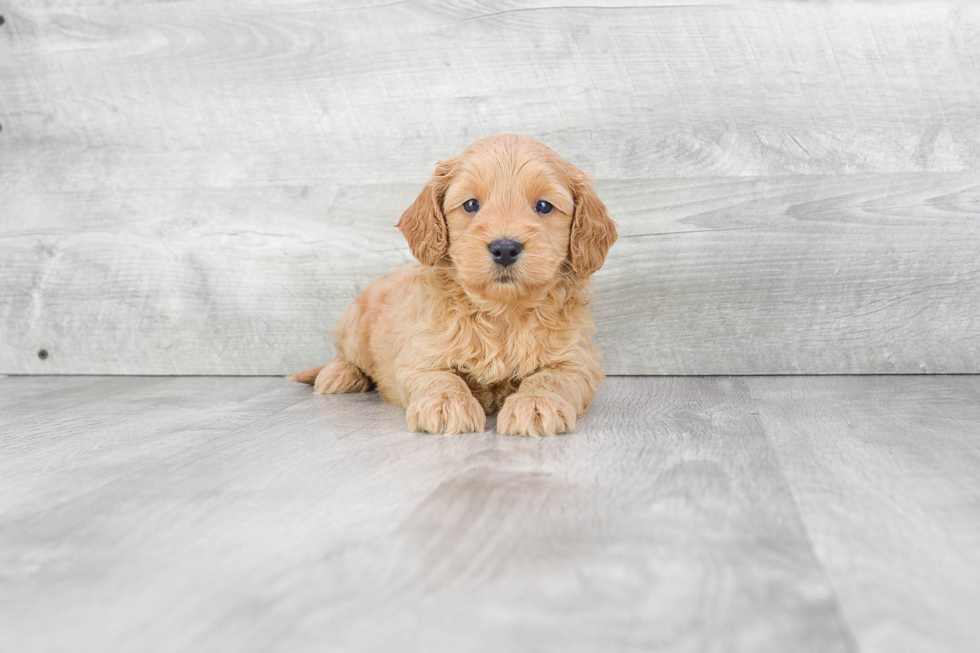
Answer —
(512, 217)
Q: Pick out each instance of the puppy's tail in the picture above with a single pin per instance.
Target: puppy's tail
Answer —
(306, 376)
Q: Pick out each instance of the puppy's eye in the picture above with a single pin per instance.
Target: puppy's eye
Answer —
(543, 207)
(471, 206)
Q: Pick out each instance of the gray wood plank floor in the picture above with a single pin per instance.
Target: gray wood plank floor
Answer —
(686, 514)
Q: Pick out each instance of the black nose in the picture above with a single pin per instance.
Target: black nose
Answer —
(505, 252)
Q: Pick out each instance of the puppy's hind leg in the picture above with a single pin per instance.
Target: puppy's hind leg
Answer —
(306, 376)
(338, 377)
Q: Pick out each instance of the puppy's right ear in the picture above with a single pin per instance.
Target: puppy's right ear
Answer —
(424, 224)
(593, 233)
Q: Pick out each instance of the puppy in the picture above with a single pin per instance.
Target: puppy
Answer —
(496, 319)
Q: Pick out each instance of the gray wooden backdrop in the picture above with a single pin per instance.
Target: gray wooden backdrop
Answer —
(201, 187)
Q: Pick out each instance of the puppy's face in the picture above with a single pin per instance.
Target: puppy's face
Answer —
(511, 216)
(509, 213)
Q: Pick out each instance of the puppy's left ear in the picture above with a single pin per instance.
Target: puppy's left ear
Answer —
(593, 233)
(424, 224)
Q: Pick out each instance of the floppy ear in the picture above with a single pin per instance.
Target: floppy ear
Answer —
(593, 233)
(423, 224)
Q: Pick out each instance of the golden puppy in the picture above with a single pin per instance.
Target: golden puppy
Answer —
(497, 318)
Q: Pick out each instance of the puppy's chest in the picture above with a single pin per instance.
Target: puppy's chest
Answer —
(498, 355)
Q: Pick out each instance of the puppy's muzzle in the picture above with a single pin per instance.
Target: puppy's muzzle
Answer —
(505, 252)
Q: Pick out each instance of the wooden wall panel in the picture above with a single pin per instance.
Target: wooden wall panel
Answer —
(200, 188)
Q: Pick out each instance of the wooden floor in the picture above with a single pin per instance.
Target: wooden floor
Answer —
(785, 514)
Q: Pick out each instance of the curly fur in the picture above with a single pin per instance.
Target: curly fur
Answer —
(459, 337)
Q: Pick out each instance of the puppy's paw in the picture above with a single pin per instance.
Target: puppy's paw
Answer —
(540, 413)
(339, 377)
(446, 412)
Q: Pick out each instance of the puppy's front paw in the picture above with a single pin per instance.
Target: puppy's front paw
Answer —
(446, 412)
(541, 413)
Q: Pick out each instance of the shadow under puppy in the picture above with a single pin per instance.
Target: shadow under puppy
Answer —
(497, 318)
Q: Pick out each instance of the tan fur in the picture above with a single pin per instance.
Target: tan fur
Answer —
(459, 337)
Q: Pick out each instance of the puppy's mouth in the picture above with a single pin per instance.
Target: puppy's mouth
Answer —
(506, 279)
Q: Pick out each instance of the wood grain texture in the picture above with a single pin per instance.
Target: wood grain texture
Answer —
(216, 93)
(886, 474)
(202, 187)
(311, 523)
(83, 436)
(710, 276)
